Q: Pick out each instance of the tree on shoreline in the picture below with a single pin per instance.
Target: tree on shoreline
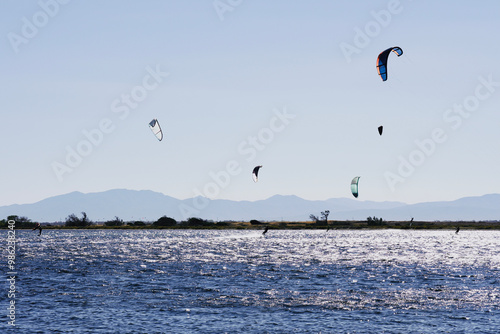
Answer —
(194, 221)
(73, 220)
(324, 216)
(314, 218)
(21, 222)
(374, 221)
(115, 222)
(165, 221)
(321, 221)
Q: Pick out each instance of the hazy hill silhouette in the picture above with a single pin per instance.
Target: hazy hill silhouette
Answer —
(149, 205)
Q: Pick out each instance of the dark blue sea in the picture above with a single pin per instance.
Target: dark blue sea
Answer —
(237, 281)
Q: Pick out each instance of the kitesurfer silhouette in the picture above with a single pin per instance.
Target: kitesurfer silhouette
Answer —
(38, 227)
(265, 230)
(458, 229)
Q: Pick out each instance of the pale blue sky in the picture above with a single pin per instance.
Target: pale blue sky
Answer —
(230, 72)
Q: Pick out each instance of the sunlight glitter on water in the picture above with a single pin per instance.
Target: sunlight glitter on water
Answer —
(287, 274)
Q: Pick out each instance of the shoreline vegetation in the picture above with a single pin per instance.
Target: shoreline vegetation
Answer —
(74, 222)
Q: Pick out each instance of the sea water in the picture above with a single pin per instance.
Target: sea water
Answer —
(239, 281)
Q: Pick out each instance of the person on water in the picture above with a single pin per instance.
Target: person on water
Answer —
(38, 227)
(265, 230)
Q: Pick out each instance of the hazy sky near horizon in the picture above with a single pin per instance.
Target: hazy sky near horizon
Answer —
(290, 85)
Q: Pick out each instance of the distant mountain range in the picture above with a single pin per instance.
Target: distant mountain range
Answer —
(149, 206)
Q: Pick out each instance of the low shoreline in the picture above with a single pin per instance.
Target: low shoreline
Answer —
(348, 225)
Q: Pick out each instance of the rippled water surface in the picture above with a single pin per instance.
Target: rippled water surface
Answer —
(185, 281)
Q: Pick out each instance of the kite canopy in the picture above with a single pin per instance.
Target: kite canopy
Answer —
(255, 173)
(155, 127)
(382, 60)
(380, 129)
(354, 186)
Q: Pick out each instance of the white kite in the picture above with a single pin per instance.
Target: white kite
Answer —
(155, 127)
